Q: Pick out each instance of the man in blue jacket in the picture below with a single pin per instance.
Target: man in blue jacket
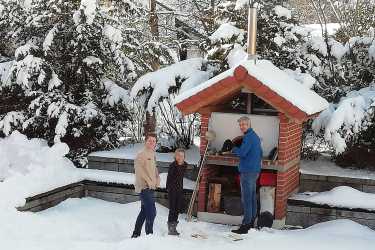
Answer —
(250, 153)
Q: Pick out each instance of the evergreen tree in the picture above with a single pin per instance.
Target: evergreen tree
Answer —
(279, 38)
(71, 70)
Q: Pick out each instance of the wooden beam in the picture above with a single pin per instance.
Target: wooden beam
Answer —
(217, 96)
(211, 108)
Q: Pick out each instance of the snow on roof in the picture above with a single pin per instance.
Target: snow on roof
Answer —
(190, 92)
(279, 81)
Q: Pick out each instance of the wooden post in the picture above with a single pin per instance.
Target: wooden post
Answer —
(214, 196)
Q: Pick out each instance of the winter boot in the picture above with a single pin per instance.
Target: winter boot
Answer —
(243, 229)
(172, 228)
(135, 234)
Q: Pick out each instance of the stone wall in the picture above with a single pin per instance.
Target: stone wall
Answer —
(320, 183)
(112, 192)
(127, 166)
(305, 214)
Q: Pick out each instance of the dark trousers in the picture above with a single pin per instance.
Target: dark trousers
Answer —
(147, 213)
(175, 204)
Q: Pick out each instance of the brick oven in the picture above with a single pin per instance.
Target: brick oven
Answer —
(277, 106)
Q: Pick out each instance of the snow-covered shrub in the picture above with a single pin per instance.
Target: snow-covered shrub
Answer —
(355, 17)
(345, 74)
(135, 125)
(158, 89)
(341, 67)
(70, 72)
(350, 122)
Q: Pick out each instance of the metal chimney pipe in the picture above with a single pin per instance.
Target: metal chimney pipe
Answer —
(252, 31)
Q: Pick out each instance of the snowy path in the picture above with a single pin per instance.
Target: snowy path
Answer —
(94, 224)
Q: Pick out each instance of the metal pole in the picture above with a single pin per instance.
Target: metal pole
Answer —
(252, 31)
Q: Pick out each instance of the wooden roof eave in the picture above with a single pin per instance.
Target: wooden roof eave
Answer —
(206, 100)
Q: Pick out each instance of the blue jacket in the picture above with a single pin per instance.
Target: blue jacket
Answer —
(250, 153)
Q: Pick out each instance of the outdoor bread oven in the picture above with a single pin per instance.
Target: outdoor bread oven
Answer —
(277, 106)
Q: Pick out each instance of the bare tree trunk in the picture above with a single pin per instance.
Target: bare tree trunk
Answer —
(150, 123)
(153, 19)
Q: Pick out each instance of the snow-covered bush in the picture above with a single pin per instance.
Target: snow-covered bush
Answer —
(345, 75)
(346, 120)
(341, 67)
(355, 17)
(158, 89)
(71, 70)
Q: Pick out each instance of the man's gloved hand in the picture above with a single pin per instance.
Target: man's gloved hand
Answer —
(237, 141)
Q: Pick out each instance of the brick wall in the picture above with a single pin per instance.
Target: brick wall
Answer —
(290, 141)
(204, 127)
(206, 170)
(287, 182)
(203, 186)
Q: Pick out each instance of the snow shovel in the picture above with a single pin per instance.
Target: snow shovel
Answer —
(209, 136)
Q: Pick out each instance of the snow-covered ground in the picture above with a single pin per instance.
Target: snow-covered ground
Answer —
(325, 167)
(94, 224)
(41, 168)
(130, 152)
(30, 167)
(342, 196)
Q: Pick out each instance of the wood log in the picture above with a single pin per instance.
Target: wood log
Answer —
(214, 197)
